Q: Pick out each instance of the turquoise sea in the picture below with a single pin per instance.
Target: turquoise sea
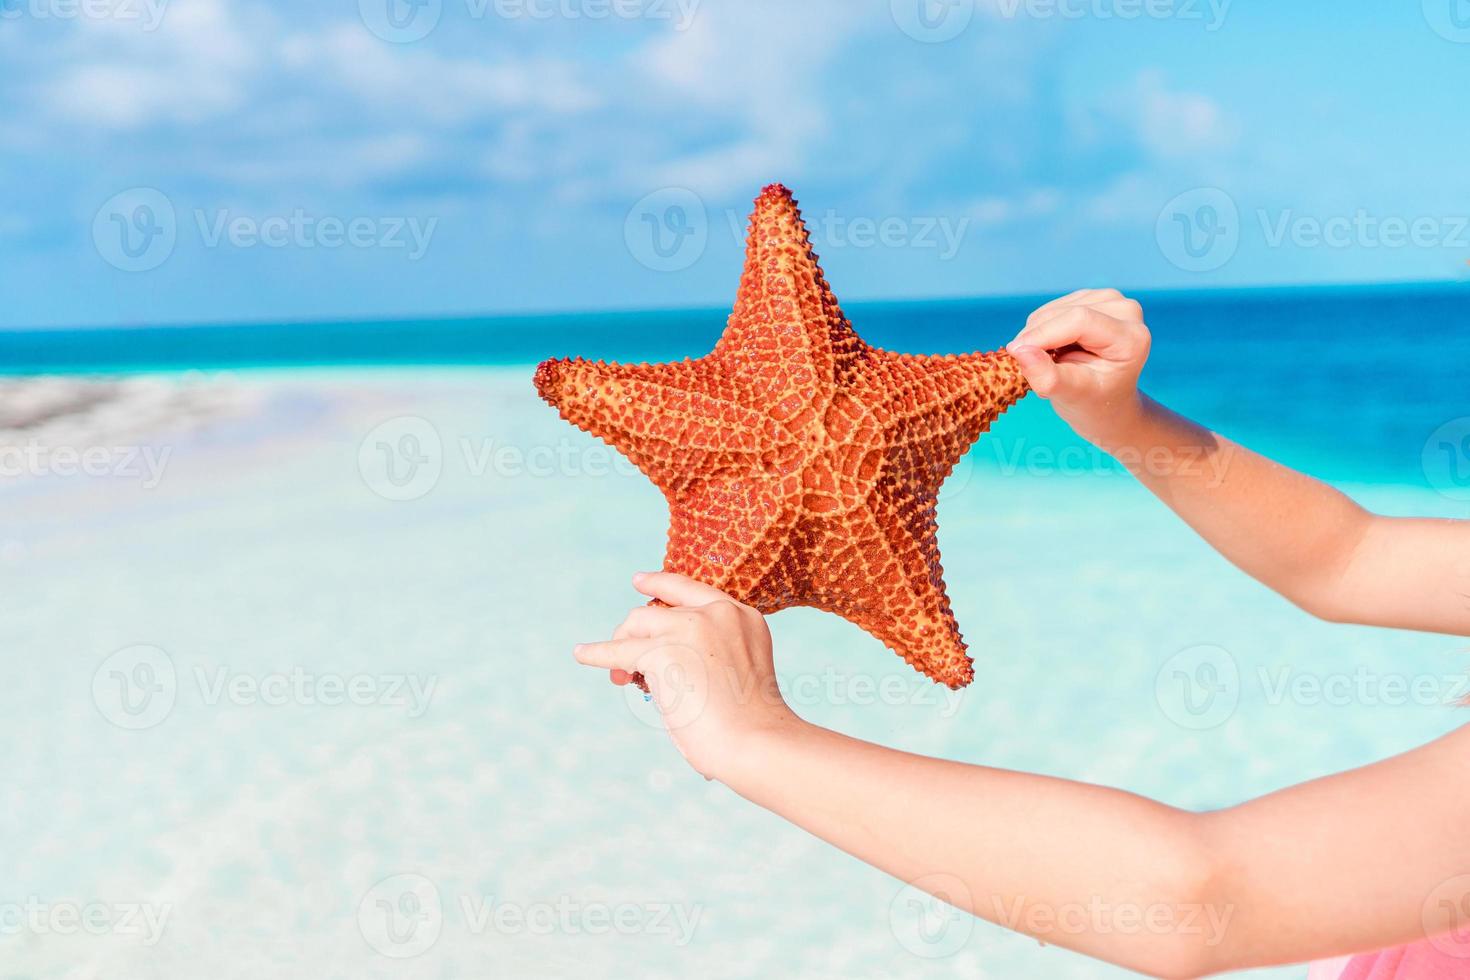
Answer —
(299, 691)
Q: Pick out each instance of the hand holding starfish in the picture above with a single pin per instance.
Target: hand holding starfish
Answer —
(707, 661)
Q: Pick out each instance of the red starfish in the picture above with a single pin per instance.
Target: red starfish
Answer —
(802, 466)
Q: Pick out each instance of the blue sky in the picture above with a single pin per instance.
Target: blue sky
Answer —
(176, 161)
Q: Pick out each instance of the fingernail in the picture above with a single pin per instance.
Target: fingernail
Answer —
(619, 677)
(576, 649)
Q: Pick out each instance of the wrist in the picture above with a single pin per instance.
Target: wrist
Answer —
(753, 753)
(1124, 424)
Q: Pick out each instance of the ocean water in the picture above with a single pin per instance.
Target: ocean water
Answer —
(299, 700)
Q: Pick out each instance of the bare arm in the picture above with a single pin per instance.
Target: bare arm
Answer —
(1294, 534)
(1343, 864)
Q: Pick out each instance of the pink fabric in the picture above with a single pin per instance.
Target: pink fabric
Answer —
(1328, 969)
(1444, 957)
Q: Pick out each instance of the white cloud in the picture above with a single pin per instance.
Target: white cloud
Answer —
(758, 67)
(1167, 123)
(120, 77)
(1174, 124)
(295, 104)
(354, 160)
(1129, 198)
(442, 89)
(995, 210)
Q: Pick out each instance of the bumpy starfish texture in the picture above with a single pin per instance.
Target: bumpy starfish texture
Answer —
(802, 466)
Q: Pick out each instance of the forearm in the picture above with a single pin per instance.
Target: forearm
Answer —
(1344, 864)
(1292, 533)
(1085, 351)
(1097, 870)
(1409, 573)
(1295, 534)
(1361, 860)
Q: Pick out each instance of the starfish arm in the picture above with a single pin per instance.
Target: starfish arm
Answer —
(932, 409)
(729, 535)
(883, 575)
(671, 420)
(787, 333)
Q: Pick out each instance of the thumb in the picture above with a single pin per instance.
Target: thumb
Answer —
(1041, 372)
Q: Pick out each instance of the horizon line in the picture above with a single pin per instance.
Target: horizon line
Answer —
(619, 311)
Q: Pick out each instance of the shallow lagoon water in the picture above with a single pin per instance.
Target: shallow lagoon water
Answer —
(360, 747)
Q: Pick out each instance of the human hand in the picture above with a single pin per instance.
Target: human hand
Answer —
(707, 661)
(1084, 353)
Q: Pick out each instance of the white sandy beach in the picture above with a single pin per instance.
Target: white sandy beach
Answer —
(258, 691)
